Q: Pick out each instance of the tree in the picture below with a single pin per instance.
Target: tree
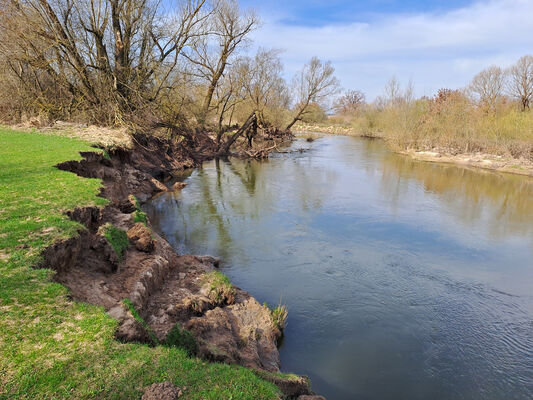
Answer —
(350, 102)
(488, 86)
(263, 91)
(264, 84)
(313, 84)
(112, 55)
(229, 27)
(520, 84)
(393, 90)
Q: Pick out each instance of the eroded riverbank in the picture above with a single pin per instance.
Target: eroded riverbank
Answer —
(168, 294)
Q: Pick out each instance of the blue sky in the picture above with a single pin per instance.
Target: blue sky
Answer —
(433, 43)
(320, 12)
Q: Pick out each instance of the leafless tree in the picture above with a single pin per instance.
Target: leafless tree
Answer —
(350, 102)
(488, 86)
(263, 89)
(393, 90)
(520, 84)
(107, 53)
(315, 83)
(229, 27)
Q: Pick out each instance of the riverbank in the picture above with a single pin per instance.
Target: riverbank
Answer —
(95, 240)
(487, 161)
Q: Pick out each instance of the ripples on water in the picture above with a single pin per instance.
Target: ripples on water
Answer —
(404, 279)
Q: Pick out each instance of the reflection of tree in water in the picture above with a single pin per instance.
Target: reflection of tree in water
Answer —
(504, 201)
(223, 195)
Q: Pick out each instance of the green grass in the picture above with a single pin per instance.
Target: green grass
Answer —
(117, 238)
(221, 289)
(151, 334)
(139, 215)
(279, 315)
(179, 337)
(50, 346)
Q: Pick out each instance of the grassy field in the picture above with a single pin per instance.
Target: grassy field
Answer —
(51, 347)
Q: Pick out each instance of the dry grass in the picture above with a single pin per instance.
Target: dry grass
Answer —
(105, 137)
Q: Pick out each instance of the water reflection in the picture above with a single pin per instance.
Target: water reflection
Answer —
(403, 279)
(471, 194)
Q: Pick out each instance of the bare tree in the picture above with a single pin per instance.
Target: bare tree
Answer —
(488, 86)
(265, 85)
(108, 53)
(350, 102)
(393, 90)
(520, 84)
(262, 89)
(315, 83)
(229, 27)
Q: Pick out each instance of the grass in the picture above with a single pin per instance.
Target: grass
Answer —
(179, 337)
(138, 215)
(279, 315)
(221, 289)
(129, 304)
(117, 238)
(50, 346)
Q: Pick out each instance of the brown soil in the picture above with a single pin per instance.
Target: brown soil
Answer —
(162, 391)
(164, 287)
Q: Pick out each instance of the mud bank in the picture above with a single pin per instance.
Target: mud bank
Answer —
(149, 289)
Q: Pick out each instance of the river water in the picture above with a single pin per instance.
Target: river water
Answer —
(403, 279)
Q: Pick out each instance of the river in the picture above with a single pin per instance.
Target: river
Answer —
(403, 279)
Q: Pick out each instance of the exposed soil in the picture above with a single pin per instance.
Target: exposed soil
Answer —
(165, 288)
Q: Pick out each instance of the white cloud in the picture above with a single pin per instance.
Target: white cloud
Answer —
(433, 49)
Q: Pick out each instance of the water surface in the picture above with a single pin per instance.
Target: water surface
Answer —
(403, 279)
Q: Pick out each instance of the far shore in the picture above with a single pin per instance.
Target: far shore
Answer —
(486, 161)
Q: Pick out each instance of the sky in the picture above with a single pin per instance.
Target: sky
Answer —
(434, 43)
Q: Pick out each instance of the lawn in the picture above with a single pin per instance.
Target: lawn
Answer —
(50, 346)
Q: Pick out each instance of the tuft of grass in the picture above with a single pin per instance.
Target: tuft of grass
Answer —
(182, 338)
(279, 315)
(117, 238)
(221, 290)
(52, 347)
(139, 215)
(129, 304)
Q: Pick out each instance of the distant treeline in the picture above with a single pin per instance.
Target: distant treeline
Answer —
(492, 114)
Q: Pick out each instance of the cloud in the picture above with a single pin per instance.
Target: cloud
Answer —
(433, 49)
